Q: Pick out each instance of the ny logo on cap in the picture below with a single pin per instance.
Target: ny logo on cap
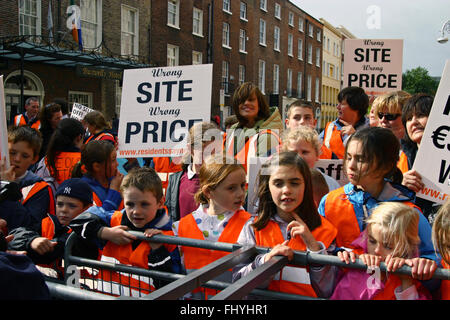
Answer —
(67, 190)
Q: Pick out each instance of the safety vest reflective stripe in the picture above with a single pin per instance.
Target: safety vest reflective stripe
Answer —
(31, 190)
(333, 140)
(19, 120)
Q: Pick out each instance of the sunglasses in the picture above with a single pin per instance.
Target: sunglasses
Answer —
(388, 116)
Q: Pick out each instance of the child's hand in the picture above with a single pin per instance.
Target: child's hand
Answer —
(42, 245)
(422, 269)
(280, 250)
(6, 174)
(299, 228)
(117, 235)
(116, 181)
(394, 263)
(150, 233)
(347, 256)
(370, 260)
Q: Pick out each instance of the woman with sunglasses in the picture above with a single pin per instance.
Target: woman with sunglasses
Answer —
(388, 111)
(414, 118)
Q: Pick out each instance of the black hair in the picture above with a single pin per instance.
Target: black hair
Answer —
(356, 98)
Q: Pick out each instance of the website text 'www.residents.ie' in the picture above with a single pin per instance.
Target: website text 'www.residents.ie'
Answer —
(435, 194)
(152, 151)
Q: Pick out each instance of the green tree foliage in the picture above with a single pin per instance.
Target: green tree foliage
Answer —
(419, 81)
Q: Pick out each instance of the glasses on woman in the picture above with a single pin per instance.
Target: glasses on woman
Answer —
(388, 116)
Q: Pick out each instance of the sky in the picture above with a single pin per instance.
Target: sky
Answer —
(417, 22)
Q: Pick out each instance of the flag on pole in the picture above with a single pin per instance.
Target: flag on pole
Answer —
(76, 26)
(50, 22)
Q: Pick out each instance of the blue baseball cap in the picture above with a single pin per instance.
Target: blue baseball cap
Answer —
(75, 188)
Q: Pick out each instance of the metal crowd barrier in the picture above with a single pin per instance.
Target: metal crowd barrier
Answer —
(178, 284)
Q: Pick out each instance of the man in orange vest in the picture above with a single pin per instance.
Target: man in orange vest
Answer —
(31, 115)
(352, 108)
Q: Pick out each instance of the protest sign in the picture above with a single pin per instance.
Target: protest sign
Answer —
(373, 64)
(433, 157)
(158, 107)
(332, 168)
(79, 111)
(4, 154)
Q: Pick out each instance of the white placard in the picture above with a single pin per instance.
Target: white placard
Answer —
(433, 157)
(373, 64)
(4, 153)
(79, 111)
(333, 168)
(158, 107)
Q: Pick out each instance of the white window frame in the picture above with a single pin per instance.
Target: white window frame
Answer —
(241, 74)
(290, 46)
(299, 84)
(277, 12)
(173, 54)
(311, 30)
(309, 59)
(300, 49)
(242, 41)
(276, 79)
(291, 19)
(135, 35)
(317, 89)
(276, 38)
(308, 88)
(37, 25)
(318, 57)
(197, 22)
(98, 23)
(226, 35)
(226, 6)
(301, 24)
(225, 76)
(262, 32)
(175, 14)
(262, 75)
(243, 11)
(263, 5)
(197, 57)
(85, 94)
(319, 36)
(289, 82)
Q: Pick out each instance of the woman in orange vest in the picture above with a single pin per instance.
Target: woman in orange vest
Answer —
(44, 243)
(98, 167)
(390, 236)
(63, 153)
(441, 241)
(288, 220)
(98, 127)
(220, 216)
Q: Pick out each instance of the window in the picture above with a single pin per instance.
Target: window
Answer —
(319, 36)
(318, 57)
(263, 5)
(84, 98)
(130, 25)
(311, 31)
(328, 44)
(118, 96)
(226, 35)
(290, 45)
(91, 23)
(299, 84)
(197, 57)
(276, 79)
(227, 6)
(289, 83)
(300, 49)
(172, 55)
(300, 24)
(317, 91)
(291, 19)
(277, 11)
(173, 13)
(324, 69)
(197, 22)
(276, 38)
(30, 17)
(262, 75)
(225, 75)
(309, 53)
(242, 40)
(262, 32)
(243, 11)
(241, 74)
(308, 88)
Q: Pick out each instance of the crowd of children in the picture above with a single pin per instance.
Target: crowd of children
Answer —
(75, 186)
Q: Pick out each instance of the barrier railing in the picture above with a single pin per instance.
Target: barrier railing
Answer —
(178, 285)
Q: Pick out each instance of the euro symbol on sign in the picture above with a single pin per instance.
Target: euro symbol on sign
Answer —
(438, 135)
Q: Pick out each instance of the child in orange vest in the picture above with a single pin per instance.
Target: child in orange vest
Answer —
(44, 243)
(288, 220)
(145, 212)
(24, 144)
(391, 236)
(98, 167)
(441, 241)
(220, 216)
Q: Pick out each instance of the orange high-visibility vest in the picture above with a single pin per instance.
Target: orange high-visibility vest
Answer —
(392, 283)
(402, 163)
(100, 137)
(64, 163)
(340, 212)
(445, 284)
(165, 164)
(118, 283)
(31, 190)
(293, 279)
(19, 121)
(196, 258)
(332, 140)
(325, 153)
(98, 202)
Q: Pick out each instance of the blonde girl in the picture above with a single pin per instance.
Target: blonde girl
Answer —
(441, 242)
